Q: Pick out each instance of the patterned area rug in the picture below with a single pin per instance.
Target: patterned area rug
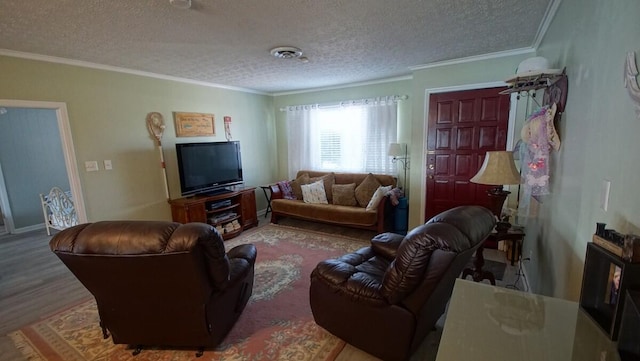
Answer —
(277, 324)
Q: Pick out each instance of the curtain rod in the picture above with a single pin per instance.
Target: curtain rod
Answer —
(345, 103)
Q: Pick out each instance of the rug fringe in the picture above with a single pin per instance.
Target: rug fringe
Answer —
(25, 347)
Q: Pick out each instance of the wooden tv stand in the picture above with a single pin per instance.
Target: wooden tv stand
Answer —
(206, 209)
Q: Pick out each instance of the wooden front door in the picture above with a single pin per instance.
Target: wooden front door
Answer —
(462, 126)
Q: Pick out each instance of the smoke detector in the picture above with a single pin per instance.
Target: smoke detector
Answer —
(286, 52)
(181, 4)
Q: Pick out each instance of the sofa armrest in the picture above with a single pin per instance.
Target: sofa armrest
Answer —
(275, 192)
(386, 244)
(381, 213)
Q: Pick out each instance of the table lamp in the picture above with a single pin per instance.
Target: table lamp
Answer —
(498, 169)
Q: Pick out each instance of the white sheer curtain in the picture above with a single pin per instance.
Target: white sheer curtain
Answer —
(298, 133)
(350, 137)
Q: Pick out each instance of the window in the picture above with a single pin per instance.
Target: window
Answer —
(351, 138)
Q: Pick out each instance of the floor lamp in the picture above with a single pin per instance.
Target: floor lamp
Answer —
(399, 152)
(498, 169)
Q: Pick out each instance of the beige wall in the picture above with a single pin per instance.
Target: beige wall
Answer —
(599, 132)
(107, 113)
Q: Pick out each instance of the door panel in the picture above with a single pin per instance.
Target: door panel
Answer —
(462, 127)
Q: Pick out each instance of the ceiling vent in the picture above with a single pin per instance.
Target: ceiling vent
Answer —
(286, 52)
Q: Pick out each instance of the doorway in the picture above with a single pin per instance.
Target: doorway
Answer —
(64, 134)
(462, 125)
(3, 226)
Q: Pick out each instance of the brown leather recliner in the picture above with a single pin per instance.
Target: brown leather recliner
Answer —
(160, 283)
(385, 298)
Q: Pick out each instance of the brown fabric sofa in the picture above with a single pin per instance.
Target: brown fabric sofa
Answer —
(346, 215)
(385, 298)
(160, 283)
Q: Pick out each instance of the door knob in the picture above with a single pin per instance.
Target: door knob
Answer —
(431, 166)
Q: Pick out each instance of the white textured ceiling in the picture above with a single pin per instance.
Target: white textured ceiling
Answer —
(227, 42)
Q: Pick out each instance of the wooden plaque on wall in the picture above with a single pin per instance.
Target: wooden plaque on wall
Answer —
(194, 124)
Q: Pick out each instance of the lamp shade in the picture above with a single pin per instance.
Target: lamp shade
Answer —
(498, 168)
(396, 150)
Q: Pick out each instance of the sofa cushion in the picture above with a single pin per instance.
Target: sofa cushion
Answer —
(377, 197)
(296, 183)
(366, 189)
(344, 194)
(314, 193)
(346, 178)
(328, 181)
(345, 215)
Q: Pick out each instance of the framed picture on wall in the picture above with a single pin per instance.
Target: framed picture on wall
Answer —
(194, 124)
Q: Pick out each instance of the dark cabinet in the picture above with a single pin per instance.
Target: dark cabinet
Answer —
(628, 345)
(605, 281)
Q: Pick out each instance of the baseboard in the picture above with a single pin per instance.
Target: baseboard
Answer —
(35, 227)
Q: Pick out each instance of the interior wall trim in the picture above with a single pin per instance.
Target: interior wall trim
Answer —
(546, 22)
(469, 59)
(67, 146)
(86, 64)
(423, 155)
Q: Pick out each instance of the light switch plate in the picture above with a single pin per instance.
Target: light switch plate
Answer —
(91, 166)
(604, 194)
(107, 164)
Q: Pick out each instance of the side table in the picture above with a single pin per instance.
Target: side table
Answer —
(515, 235)
(266, 189)
(477, 273)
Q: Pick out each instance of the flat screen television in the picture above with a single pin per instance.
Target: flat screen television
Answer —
(208, 167)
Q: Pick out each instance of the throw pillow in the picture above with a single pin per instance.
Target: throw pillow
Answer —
(314, 193)
(287, 191)
(328, 180)
(366, 189)
(344, 194)
(377, 196)
(296, 183)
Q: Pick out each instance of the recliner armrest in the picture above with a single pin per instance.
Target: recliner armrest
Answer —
(246, 251)
(386, 244)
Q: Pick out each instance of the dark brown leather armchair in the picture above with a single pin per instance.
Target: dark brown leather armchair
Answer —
(385, 298)
(160, 283)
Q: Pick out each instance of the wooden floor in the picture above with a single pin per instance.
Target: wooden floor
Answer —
(34, 284)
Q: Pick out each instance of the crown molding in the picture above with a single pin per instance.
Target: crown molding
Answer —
(469, 59)
(546, 22)
(350, 85)
(86, 64)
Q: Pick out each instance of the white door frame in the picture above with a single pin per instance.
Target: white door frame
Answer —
(427, 95)
(67, 148)
(4, 206)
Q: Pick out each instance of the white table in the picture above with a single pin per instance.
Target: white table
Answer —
(491, 323)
